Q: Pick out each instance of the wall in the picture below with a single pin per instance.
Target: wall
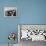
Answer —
(33, 12)
(7, 24)
(29, 12)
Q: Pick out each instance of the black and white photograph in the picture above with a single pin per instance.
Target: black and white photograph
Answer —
(33, 32)
(31, 35)
(10, 11)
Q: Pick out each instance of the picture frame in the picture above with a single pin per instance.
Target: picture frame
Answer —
(36, 32)
(10, 11)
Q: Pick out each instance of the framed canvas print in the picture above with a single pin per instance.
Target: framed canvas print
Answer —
(10, 11)
(32, 32)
